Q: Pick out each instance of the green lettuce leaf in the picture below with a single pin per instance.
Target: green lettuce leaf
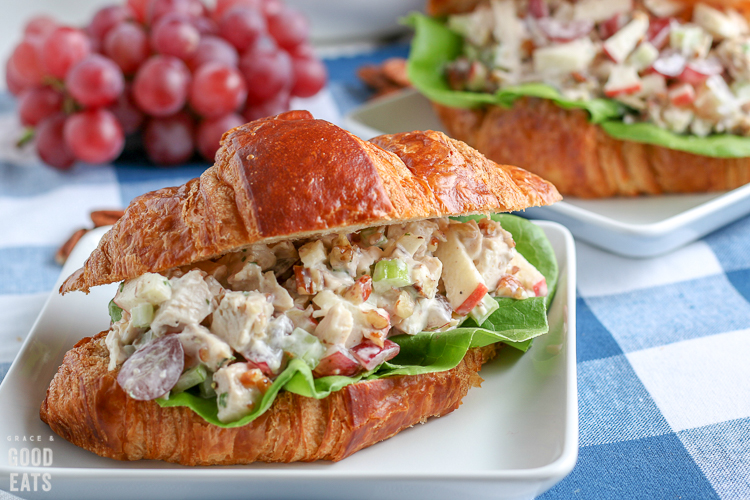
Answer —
(717, 145)
(434, 46)
(515, 323)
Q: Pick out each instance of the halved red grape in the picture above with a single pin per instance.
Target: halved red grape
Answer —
(95, 81)
(310, 76)
(94, 135)
(127, 45)
(63, 49)
(161, 85)
(174, 35)
(50, 143)
(266, 74)
(34, 105)
(169, 140)
(213, 49)
(241, 26)
(153, 370)
(289, 27)
(107, 18)
(210, 131)
(217, 89)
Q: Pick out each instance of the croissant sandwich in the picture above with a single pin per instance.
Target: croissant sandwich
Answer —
(601, 97)
(309, 295)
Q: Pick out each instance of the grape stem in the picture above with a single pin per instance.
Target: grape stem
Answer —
(26, 137)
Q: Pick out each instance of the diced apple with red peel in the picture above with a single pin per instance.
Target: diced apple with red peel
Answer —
(564, 58)
(623, 80)
(339, 362)
(622, 43)
(658, 32)
(682, 94)
(538, 8)
(600, 10)
(664, 8)
(540, 288)
(371, 355)
(699, 71)
(460, 275)
(474, 298)
(262, 366)
(612, 25)
(643, 56)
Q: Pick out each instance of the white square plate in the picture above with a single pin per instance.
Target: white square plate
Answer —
(642, 226)
(513, 438)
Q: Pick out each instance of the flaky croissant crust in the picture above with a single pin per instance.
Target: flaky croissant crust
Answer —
(580, 159)
(86, 406)
(291, 176)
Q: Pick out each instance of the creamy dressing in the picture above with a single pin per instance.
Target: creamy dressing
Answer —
(330, 301)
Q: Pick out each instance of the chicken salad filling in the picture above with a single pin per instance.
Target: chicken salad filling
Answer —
(686, 70)
(226, 328)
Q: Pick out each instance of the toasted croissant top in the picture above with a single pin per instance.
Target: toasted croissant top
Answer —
(291, 176)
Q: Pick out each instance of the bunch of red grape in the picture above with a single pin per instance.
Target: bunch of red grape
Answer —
(175, 71)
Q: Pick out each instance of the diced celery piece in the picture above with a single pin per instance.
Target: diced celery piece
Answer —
(484, 309)
(142, 315)
(304, 346)
(207, 387)
(392, 272)
(190, 378)
(115, 311)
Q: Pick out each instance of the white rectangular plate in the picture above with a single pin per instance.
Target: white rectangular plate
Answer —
(642, 226)
(513, 438)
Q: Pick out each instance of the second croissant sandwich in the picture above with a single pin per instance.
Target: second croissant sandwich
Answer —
(309, 295)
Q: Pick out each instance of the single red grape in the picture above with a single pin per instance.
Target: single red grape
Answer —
(41, 26)
(94, 135)
(106, 19)
(289, 27)
(127, 45)
(266, 74)
(127, 113)
(161, 85)
(213, 49)
(224, 6)
(174, 35)
(169, 140)
(310, 76)
(95, 81)
(205, 26)
(210, 132)
(50, 143)
(139, 9)
(159, 8)
(34, 105)
(241, 26)
(63, 49)
(15, 83)
(273, 106)
(216, 90)
(27, 61)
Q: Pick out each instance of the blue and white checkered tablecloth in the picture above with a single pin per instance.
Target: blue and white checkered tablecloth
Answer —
(663, 344)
